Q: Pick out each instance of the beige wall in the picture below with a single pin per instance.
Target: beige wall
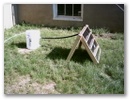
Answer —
(96, 15)
(109, 16)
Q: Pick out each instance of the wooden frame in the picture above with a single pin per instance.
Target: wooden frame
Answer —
(87, 39)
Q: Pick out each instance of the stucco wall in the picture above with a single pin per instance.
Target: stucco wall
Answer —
(96, 15)
(109, 16)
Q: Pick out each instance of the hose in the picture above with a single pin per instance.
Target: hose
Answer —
(42, 37)
(13, 37)
(59, 37)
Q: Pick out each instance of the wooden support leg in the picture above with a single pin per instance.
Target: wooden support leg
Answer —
(77, 41)
(80, 44)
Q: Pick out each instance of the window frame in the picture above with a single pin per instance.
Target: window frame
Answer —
(64, 17)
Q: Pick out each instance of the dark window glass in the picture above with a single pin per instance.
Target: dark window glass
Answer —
(77, 9)
(69, 9)
(60, 9)
(121, 5)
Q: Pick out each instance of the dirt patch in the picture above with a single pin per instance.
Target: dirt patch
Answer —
(105, 35)
(24, 51)
(24, 85)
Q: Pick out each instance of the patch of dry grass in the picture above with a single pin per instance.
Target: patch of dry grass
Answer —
(25, 85)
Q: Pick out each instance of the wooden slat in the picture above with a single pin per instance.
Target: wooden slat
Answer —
(89, 29)
(88, 36)
(99, 54)
(95, 50)
(89, 51)
(91, 43)
(95, 40)
(83, 30)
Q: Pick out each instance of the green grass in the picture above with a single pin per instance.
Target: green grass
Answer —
(48, 63)
(99, 31)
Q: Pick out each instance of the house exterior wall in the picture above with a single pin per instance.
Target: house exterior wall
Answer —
(95, 15)
(8, 21)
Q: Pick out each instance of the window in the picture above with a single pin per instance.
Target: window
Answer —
(72, 12)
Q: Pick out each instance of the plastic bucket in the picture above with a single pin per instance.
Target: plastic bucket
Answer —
(32, 39)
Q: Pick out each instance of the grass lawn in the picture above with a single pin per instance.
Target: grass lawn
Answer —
(45, 70)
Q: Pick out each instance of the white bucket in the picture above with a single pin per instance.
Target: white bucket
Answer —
(32, 39)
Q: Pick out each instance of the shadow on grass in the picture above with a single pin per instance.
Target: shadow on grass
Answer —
(80, 55)
(19, 45)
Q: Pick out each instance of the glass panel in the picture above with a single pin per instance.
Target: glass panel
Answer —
(69, 9)
(77, 9)
(60, 9)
